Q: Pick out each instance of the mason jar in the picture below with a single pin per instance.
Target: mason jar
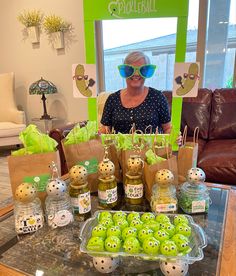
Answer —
(194, 198)
(134, 189)
(107, 192)
(163, 199)
(80, 201)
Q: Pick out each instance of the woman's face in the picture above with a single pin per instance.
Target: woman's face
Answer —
(136, 81)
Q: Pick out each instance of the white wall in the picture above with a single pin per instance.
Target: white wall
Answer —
(30, 63)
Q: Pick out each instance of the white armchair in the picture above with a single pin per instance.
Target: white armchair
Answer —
(12, 120)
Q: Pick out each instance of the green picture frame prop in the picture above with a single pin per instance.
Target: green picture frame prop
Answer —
(126, 9)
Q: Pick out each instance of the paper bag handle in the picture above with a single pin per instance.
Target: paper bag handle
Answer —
(195, 135)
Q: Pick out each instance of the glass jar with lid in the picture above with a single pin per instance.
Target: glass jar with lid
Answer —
(28, 211)
(163, 197)
(79, 193)
(193, 195)
(133, 185)
(107, 185)
(57, 204)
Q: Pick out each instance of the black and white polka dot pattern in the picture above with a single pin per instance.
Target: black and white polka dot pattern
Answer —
(152, 111)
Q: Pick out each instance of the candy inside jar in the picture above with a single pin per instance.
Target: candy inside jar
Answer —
(163, 197)
(194, 196)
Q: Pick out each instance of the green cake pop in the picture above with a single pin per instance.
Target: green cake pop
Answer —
(133, 215)
(144, 233)
(114, 231)
(151, 246)
(132, 245)
(129, 232)
(99, 231)
(113, 244)
(169, 248)
(95, 244)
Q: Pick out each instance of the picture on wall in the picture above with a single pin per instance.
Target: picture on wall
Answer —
(84, 80)
(186, 79)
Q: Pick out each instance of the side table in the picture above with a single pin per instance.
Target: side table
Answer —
(45, 125)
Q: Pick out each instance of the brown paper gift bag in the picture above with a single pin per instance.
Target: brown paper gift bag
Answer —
(188, 154)
(32, 168)
(151, 170)
(88, 154)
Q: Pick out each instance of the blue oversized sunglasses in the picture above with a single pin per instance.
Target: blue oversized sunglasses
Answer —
(145, 71)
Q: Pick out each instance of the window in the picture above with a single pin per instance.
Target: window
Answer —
(148, 35)
(220, 44)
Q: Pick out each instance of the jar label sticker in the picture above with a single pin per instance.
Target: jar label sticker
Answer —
(61, 218)
(28, 224)
(134, 191)
(81, 203)
(165, 207)
(40, 181)
(108, 196)
(90, 165)
(198, 206)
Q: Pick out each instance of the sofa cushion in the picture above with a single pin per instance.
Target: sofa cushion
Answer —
(218, 160)
(223, 114)
(195, 112)
(9, 129)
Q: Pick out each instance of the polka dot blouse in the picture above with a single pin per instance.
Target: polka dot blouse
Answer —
(152, 111)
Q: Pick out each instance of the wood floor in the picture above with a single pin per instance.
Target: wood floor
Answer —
(5, 186)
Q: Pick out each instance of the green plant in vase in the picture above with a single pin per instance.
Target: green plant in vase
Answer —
(55, 26)
(32, 20)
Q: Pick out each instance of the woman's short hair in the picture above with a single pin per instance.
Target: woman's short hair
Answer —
(135, 56)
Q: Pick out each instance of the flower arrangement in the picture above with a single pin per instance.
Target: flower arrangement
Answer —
(54, 23)
(31, 18)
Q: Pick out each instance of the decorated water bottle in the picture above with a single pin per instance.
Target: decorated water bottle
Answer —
(107, 185)
(194, 195)
(134, 187)
(27, 209)
(163, 197)
(59, 211)
(79, 192)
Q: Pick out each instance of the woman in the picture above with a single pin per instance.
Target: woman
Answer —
(137, 104)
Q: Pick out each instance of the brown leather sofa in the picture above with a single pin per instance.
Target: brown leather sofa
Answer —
(214, 112)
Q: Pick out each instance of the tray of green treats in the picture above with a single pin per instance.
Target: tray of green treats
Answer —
(143, 234)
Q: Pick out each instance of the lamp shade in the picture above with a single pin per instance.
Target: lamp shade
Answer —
(42, 86)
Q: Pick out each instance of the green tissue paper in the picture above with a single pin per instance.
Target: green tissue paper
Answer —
(152, 158)
(35, 142)
(81, 134)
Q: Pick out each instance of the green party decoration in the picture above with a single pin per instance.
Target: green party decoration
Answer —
(127, 9)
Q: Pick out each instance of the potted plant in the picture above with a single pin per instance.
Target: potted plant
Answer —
(55, 26)
(32, 20)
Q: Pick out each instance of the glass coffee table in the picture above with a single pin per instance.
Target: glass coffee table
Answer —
(56, 252)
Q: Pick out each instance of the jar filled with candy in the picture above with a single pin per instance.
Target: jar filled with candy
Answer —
(27, 209)
(133, 181)
(107, 185)
(79, 193)
(194, 195)
(163, 197)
